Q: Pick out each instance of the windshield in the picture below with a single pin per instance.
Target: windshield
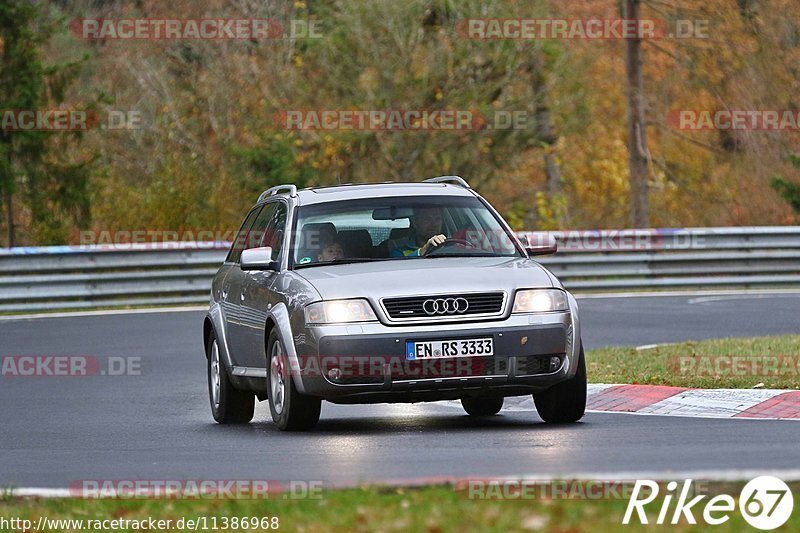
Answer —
(375, 229)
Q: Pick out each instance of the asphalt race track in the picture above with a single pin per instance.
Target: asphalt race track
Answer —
(55, 431)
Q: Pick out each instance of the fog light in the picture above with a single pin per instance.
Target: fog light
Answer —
(335, 374)
(555, 363)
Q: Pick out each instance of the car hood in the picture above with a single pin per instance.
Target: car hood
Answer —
(406, 277)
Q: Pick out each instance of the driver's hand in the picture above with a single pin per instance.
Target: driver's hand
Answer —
(433, 242)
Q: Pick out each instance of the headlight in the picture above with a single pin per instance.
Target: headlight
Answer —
(540, 301)
(338, 311)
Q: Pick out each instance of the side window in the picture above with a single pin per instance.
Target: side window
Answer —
(259, 229)
(274, 232)
(241, 238)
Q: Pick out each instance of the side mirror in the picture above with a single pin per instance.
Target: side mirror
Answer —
(258, 259)
(540, 244)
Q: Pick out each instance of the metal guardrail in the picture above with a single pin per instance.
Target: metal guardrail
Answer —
(691, 258)
(67, 277)
(80, 277)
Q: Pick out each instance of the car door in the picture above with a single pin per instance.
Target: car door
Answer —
(228, 295)
(240, 320)
(256, 292)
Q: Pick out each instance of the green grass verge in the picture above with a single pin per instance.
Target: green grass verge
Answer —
(735, 363)
(431, 509)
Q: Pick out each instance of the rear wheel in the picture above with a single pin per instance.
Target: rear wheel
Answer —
(565, 401)
(290, 410)
(228, 404)
(482, 406)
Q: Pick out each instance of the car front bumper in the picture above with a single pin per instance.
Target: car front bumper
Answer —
(531, 352)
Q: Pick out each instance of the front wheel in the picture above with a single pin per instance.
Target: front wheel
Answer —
(482, 406)
(228, 405)
(566, 401)
(290, 410)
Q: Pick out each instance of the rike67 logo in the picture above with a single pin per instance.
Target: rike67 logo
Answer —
(765, 503)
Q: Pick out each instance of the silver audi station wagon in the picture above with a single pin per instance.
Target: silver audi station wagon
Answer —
(388, 292)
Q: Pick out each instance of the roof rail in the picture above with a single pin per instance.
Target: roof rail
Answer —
(449, 179)
(272, 191)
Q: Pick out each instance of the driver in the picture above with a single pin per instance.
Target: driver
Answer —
(426, 234)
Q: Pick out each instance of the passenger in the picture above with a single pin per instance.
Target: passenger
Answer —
(426, 234)
(331, 250)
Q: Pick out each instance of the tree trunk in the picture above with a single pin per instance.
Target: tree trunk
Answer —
(544, 123)
(545, 134)
(10, 238)
(553, 172)
(638, 157)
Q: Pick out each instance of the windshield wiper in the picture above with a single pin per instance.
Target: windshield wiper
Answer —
(343, 261)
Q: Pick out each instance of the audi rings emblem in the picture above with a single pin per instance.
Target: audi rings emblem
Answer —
(445, 306)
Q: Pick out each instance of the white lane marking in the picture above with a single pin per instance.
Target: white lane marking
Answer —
(789, 474)
(656, 475)
(143, 311)
(723, 298)
(710, 403)
(733, 292)
(39, 493)
(651, 346)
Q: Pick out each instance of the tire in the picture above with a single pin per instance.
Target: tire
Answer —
(291, 411)
(482, 406)
(564, 402)
(228, 404)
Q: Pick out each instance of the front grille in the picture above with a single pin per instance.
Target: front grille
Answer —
(451, 305)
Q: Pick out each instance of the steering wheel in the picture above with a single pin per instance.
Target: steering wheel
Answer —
(452, 242)
(463, 242)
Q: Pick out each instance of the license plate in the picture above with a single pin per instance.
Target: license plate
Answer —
(454, 348)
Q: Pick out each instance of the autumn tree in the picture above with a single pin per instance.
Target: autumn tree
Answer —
(35, 177)
(789, 190)
(210, 141)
